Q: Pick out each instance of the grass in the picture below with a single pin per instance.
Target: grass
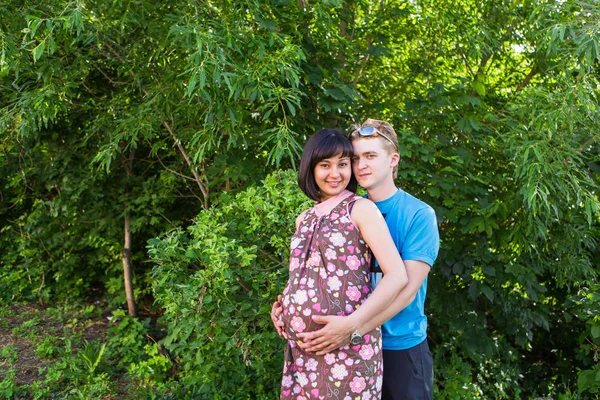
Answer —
(83, 351)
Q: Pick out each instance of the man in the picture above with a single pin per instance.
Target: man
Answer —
(408, 366)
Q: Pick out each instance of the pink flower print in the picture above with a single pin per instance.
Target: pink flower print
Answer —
(287, 381)
(311, 283)
(312, 377)
(330, 267)
(334, 283)
(299, 361)
(353, 262)
(366, 351)
(330, 254)
(297, 388)
(333, 216)
(339, 371)
(295, 243)
(302, 379)
(366, 396)
(311, 293)
(322, 273)
(291, 310)
(365, 289)
(337, 239)
(358, 384)
(353, 293)
(298, 324)
(349, 362)
(300, 297)
(314, 259)
(367, 338)
(294, 263)
(329, 358)
(349, 309)
(312, 364)
(306, 312)
(342, 355)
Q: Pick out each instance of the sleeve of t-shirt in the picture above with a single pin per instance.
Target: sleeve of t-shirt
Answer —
(422, 242)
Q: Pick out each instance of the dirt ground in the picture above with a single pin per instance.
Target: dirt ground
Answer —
(39, 325)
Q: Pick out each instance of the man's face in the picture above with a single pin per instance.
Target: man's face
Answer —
(372, 164)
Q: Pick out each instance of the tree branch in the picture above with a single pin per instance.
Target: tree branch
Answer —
(527, 79)
(363, 62)
(466, 61)
(198, 178)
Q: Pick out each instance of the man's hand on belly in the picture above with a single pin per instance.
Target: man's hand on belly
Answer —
(334, 334)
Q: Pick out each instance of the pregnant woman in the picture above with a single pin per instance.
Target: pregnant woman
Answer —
(329, 275)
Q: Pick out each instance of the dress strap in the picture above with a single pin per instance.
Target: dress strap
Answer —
(350, 204)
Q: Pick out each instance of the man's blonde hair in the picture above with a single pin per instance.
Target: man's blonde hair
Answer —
(383, 127)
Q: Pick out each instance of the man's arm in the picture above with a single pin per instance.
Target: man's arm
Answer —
(337, 331)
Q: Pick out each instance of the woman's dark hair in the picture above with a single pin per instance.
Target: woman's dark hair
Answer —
(326, 143)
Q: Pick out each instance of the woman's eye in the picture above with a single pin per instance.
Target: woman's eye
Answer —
(344, 164)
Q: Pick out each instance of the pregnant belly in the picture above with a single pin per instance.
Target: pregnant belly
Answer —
(298, 311)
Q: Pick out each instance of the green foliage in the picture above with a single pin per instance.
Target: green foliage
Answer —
(586, 307)
(216, 282)
(8, 387)
(157, 110)
(47, 348)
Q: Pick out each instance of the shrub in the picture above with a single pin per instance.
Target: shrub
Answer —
(216, 282)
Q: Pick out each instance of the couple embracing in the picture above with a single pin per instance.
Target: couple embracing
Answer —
(353, 308)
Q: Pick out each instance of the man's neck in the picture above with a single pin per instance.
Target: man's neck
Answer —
(383, 192)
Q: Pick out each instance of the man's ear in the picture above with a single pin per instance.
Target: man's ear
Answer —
(395, 160)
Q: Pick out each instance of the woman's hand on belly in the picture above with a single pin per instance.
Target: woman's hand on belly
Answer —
(276, 314)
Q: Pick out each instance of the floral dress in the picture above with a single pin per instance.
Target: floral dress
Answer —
(329, 275)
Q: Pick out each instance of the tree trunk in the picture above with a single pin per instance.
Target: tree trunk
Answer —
(126, 254)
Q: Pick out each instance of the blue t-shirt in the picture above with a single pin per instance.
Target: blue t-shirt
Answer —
(414, 229)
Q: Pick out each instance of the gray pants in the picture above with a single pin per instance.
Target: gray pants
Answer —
(408, 374)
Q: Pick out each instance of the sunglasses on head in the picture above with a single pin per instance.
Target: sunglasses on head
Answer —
(368, 131)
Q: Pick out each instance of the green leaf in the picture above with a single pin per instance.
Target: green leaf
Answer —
(474, 289)
(38, 50)
(479, 87)
(433, 191)
(596, 330)
(487, 291)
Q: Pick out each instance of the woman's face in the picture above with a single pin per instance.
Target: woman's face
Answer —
(332, 175)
